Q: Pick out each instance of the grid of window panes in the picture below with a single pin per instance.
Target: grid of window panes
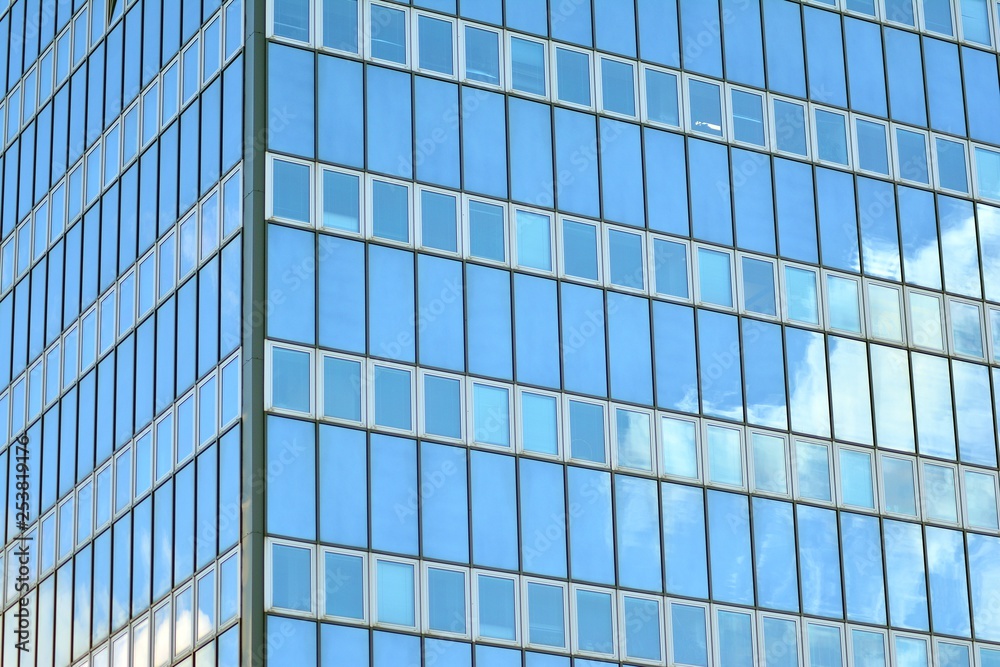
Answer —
(120, 300)
(606, 332)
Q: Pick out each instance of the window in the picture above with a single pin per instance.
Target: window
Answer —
(715, 279)
(670, 268)
(789, 128)
(812, 471)
(758, 286)
(633, 439)
(936, 16)
(487, 231)
(939, 492)
(660, 91)
(801, 295)
(482, 55)
(626, 259)
(770, 463)
(291, 19)
(704, 102)
(580, 256)
(857, 482)
(573, 76)
(898, 486)
(586, 432)
(911, 651)
(497, 598)
(724, 455)
(966, 328)
(392, 394)
(911, 156)
(342, 388)
(987, 173)
(679, 442)
(491, 414)
(617, 87)
(594, 617)
(539, 419)
(395, 593)
(527, 66)
(871, 145)
(445, 601)
(388, 34)
(546, 614)
(831, 137)
(952, 165)
(291, 191)
(641, 628)
(389, 204)
(438, 214)
(735, 643)
(843, 307)
(341, 201)
(980, 492)
(442, 406)
(747, 117)
(291, 578)
(688, 643)
(434, 41)
(291, 379)
(533, 232)
(779, 641)
(825, 645)
(341, 25)
(925, 320)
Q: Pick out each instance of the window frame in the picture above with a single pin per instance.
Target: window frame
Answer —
(897, 165)
(993, 353)
(831, 472)
(974, 149)
(926, 639)
(706, 424)
(963, 501)
(526, 642)
(807, 640)
(924, 484)
(269, 347)
(418, 221)
(362, 33)
(368, 210)
(373, 595)
(466, 233)
(575, 615)
(414, 43)
(716, 640)
(623, 626)
(884, 16)
(686, 106)
(269, 191)
(598, 241)
(849, 642)
(937, 641)
(826, 274)
(594, 72)
(741, 288)
(782, 276)
(519, 421)
(689, 268)
(269, 544)
(513, 210)
(731, 118)
(507, 76)
(660, 454)
(321, 586)
(422, 432)
(644, 97)
(519, 614)
(200, 391)
(936, 176)
(470, 414)
(752, 465)
(762, 616)
(814, 109)
(613, 409)
(367, 33)
(270, 19)
(921, 19)
(773, 126)
(605, 249)
(425, 568)
(668, 617)
(949, 300)
(696, 249)
(882, 487)
(599, 59)
(912, 327)
(501, 58)
(856, 146)
(567, 446)
(369, 383)
(320, 201)
(870, 453)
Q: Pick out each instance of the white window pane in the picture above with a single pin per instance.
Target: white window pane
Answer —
(290, 379)
(291, 581)
(680, 448)
(395, 593)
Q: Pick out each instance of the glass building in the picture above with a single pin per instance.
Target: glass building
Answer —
(500, 333)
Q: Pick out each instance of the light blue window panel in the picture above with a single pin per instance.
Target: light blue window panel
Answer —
(291, 580)
(393, 474)
(340, 126)
(904, 73)
(541, 499)
(390, 211)
(392, 398)
(868, 648)
(292, 446)
(343, 484)
(825, 645)
(615, 27)
(525, 15)
(948, 583)
(783, 35)
(774, 556)
(984, 566)
(661, 97)
(341, 202)
(753, 201)
(630, 351)
(666, 182)
(573, 69)
(735, 638)
(546, 615)
(758, 286)
(765, 374)
(342, 646)
(729, 526)
(494, 513)
(527, 66)
(863, 582)
(581, 193)
(658, 33)
(676, 367)
(580, 258)
(591, 532)
(487, 231)
(534, 240)
(743, 42)
(488, 325)
(530, 152)
(912, 652)
(340, 25)
(689, 638)
(290, 86)
(291, 379)
(812, 461)
(587, 432)
(790, 128)
(961, 269)
(300, 649)
(436, 133)
(395, 598)
(637, 532)
(496, 608)
(807, 383)
(572, 25)
(953, 655)
(838, 219)
(825, 57)
(291, 190)
(484, 143)
(293, 317)
(439, 221)
(440, 304)
(583, 349)
(446, 600)
(388, 40)
(863, 41)
(633, 439)
(831, 137)
(389, 649)
(900, 11)
(444, 514)
(937, 16)
(621, 173)
(435, 40)
(722, 392)
(856, 479)
(342, 294)
(705, 102)
(536, 335)
(911, 153)
(905, 575)
(981, 500)
(625, 259)
(539, 423)
(595, 621)
(945, 100)
(641, 628)
(748, 117)
(711, 205)
(390, 306)
(442, 406)
(618, 86)
(706, 58)
(872, 142)
(491, 415)
(976, 437)
(391, 150)
(482, 55)
(291, 19)
(919, 233)
(670, 268)
(951, 165)
(715, 277)
(819, 557)
(344, 585)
